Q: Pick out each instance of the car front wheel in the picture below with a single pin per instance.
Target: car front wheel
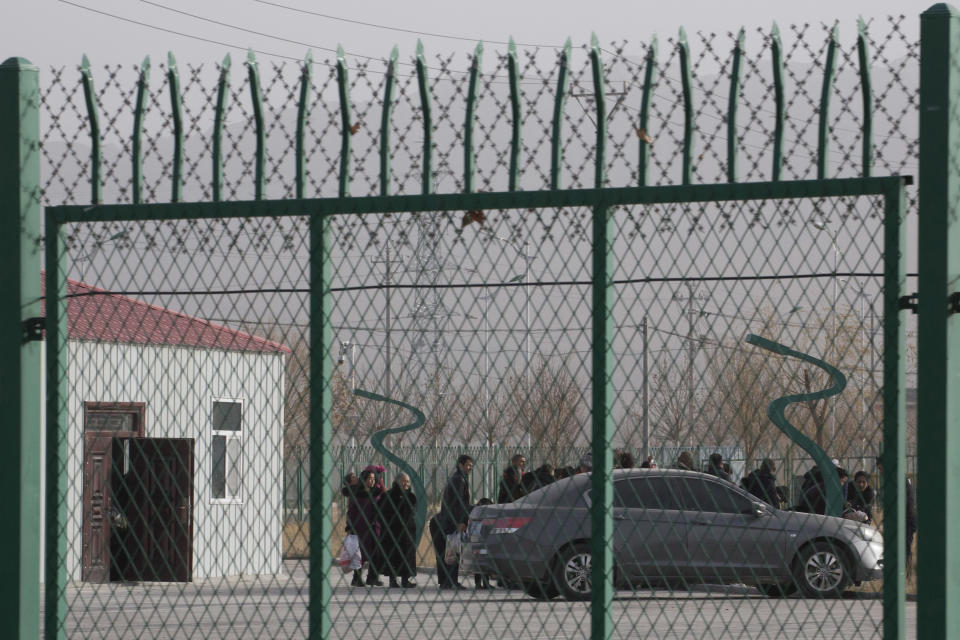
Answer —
(572, 572)
(821, 570)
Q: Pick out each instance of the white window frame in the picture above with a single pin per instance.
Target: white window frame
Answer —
(229, 435)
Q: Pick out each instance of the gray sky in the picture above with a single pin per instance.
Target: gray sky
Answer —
(57, 32)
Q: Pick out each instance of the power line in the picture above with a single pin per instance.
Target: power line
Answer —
(400, 29)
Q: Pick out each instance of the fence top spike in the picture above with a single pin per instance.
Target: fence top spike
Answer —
(225, 66)
(682, 37)
(835, 32)
(171, 61)
(85, 63)
(861, 27)
(308, 59)
(419, 48)
(775, 31)
(741, 36)
(594, 42)
(511, 47)
(392, 63)
(341, 56)
(145, 65)
(251, 58)
(478, 52)
(567, 47)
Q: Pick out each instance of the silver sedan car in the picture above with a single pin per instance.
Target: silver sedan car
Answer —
(672, 528)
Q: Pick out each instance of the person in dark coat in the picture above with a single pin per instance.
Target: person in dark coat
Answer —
(685, 461)
(510, 487)
(860, 495)
(762, 483)
(362, 518)
(399, 527)
(715, 468)
(538, 478)
(454, 512)
(814, 499)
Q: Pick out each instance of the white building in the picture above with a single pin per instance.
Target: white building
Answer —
(174, 444)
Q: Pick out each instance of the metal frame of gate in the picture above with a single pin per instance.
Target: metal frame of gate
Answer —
(601, 201)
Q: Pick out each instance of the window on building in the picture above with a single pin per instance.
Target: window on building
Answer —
(227, 445)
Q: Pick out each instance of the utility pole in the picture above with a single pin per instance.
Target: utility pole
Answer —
(692, 296)
(388, 265)
(646, 399)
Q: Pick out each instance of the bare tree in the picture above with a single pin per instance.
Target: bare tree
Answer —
(550, 406)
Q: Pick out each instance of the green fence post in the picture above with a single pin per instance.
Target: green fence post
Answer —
(93, 120)
(139, 110)
(894, 413)
(223, 93)
(20, 200)
(321, 463)
(516, 116)
(303, 113)
(256, 101)
(424, 87)
(176, 115)
(601, 519)
(556, 143)
(938, 345)
(776, 56)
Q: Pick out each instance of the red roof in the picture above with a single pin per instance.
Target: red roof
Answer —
(96, 314)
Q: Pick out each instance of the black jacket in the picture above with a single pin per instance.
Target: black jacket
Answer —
(763, 485)
(455, 504)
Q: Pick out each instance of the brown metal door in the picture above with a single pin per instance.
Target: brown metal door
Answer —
(155, 493)
(95, 560)
(102, 422)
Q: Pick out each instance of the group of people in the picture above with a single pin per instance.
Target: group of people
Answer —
(858, 496)
(385, 525)
(384, 521)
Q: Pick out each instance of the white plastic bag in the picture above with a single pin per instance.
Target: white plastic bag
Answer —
(350, 558)
(454, 546)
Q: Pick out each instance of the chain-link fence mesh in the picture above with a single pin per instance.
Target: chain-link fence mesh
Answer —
(188, 361)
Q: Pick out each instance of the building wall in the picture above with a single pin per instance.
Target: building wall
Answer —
(178, 386)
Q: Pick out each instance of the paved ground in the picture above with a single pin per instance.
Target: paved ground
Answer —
(276, 607)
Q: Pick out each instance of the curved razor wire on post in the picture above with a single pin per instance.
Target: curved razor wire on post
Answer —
(775, 412)
(377, 441)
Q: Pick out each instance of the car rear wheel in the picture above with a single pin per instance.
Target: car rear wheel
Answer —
(821, 570)
(540, 590)
(572, 572)
(778, 590)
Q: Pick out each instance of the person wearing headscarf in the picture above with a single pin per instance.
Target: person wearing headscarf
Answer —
(362, 520)
(398, 517)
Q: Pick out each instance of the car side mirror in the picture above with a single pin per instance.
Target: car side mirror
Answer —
(759, 510)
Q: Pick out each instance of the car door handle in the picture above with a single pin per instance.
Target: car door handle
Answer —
(703, 522)
(619, 517)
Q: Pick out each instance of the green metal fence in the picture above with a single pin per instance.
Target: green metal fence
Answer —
(700, 270)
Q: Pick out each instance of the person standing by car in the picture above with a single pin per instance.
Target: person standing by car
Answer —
(911, 513)
(762, 483)
(860, 495)
(398, 511)
(510, 487)
(716, 467)
(685, 461)
(362, 517)
(454, 513)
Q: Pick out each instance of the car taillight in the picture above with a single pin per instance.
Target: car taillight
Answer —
(505, 525)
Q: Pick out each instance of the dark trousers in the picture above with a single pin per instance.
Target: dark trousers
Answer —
(447, 574)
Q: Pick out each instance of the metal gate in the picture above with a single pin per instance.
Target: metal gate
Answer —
(583, 328)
